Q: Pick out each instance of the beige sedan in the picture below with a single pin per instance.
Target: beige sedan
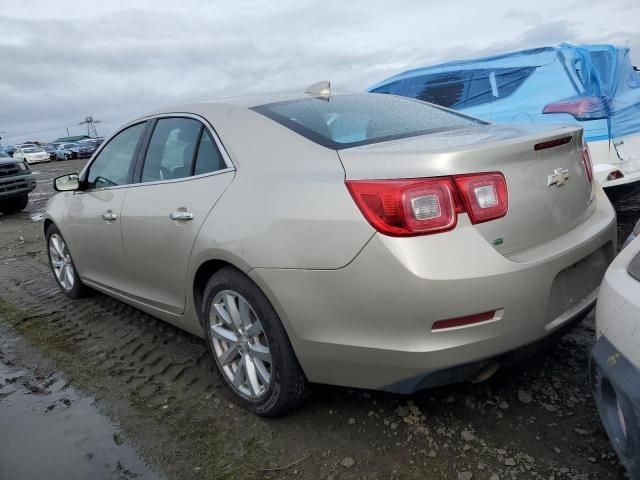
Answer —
(359, 239)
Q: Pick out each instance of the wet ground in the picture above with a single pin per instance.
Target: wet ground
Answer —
(49, 429)
(155, 388)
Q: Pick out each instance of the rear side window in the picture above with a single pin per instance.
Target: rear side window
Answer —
(344, 121)
(463, 89)
(209, 158)
(171, 149)
(447, 90)
(508, 80)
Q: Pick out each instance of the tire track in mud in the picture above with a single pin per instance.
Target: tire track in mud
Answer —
(146, 354)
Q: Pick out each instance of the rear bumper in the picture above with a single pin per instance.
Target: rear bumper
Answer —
(606, 160)
(615, 383)
(369, 324)
(16, 186)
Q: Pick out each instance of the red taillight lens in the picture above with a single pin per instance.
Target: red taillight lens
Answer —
(586, 159)
(484, 196)
(429, 205)
(582, 108)
(615, 175)
(406, 207)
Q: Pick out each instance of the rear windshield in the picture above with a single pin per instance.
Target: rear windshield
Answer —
(345, 121)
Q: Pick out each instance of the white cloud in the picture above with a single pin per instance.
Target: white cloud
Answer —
(66, 59)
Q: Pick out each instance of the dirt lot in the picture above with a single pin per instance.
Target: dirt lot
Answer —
(157, 386)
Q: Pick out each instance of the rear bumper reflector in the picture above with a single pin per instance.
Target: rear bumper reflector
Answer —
(462, 321)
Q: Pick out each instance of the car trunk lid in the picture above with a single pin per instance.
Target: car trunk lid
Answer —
(548, 189)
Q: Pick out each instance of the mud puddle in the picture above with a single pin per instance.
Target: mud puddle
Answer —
(50, 430)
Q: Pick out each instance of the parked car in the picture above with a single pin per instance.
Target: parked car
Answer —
(96, 141)
(16, 181)
(615, 358)
(51, 150)
(67, 151)
(594, 86)
(10, 150)
(30, 154)
(359, 239)
(90, 145)
(633, 235)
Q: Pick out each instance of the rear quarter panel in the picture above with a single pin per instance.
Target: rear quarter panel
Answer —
(287, 207)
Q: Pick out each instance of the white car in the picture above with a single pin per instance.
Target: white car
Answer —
(615, 358)
(31, 154)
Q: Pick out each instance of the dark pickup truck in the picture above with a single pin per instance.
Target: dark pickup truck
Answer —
(16, 181)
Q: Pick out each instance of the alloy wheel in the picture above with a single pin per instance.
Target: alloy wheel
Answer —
(61, 261)
(240, 344)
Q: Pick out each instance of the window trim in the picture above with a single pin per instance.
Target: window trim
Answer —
(143, 144)
(205, 124)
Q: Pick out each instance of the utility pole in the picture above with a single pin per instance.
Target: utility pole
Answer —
(91, 126)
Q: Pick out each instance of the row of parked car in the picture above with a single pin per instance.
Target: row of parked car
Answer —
(32, 152)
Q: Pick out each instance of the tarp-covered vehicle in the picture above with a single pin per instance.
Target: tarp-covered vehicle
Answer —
(593, 85)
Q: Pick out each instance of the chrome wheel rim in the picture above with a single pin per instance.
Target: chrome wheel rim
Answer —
(240, 344)
(61, 262)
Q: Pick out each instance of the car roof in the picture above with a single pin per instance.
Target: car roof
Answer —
(244, 102)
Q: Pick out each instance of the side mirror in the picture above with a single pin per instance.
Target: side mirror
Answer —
(67, 183)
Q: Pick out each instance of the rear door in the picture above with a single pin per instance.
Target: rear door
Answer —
(183, 174)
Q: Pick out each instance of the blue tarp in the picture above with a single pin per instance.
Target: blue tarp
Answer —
(594, 85)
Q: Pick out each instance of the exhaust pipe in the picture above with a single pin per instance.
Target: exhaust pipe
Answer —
(486, 372)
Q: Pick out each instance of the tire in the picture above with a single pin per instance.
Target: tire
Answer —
(14, 205)
(287, 385)
(70, 285)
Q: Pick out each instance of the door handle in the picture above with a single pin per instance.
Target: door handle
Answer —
(109, 216)
(181, 216)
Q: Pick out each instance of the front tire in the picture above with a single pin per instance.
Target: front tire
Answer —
(250, 346)
(14, 205)
(62, 266)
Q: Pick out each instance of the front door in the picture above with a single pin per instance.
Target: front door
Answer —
(183, 176)
(93, 225)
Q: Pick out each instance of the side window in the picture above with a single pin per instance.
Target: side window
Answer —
(113, 165)
(509, 79)
(480, 91)
(447, 89)
(209, 158)
(171, 149)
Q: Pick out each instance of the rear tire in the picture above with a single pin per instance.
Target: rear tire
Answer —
(14, 205)
(62, 265)
(250, 346)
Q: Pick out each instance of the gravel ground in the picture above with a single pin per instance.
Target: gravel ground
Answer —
(534, 420)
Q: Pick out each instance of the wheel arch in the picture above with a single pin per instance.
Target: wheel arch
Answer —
(210, 266)
(46, 224)
(202, 275)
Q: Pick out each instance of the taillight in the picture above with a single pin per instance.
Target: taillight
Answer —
(586, 159)
(424, 206)
(582, 108)
(484, 196)
(615, 175)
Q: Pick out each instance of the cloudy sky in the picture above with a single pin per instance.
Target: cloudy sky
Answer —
(62, 60)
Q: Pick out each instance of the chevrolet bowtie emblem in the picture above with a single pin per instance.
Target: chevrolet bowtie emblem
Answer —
(559, 177)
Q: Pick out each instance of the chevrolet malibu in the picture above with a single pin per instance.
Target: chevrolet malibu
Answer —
(365, 240)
